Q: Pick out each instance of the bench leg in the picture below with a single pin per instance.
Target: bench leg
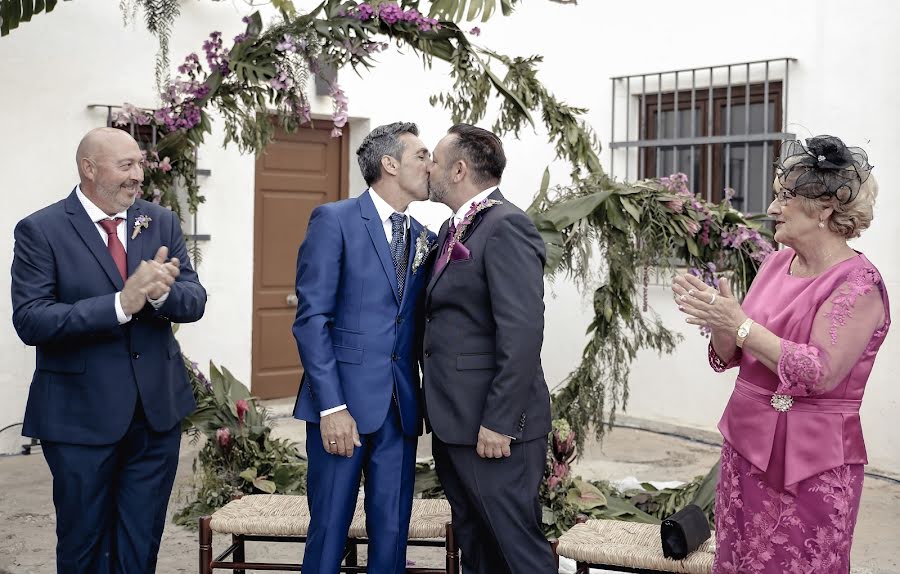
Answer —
(582, 568)
(553, 545)
(205, 546)
(352, 553)
(452, 552)
(238, 555)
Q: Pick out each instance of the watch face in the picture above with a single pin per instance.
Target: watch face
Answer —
(743, 332)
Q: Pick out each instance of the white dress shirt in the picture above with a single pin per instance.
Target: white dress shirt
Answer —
(461, 213)
(385, 211)
(97, 215)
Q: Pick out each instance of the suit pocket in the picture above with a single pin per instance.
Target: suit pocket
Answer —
(346, 338)
(475, 361)
(347, 355)
(71, 365)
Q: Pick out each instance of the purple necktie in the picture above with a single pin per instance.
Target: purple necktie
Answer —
(443, 254)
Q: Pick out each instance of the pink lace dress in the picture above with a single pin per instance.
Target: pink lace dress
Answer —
(793, 451)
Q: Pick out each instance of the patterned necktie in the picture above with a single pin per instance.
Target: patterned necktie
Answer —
(398, 248)
(116, 249)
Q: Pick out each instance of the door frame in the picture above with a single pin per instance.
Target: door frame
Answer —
(343, 193)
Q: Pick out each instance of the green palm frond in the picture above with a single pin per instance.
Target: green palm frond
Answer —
(459, 10)
(14, 12)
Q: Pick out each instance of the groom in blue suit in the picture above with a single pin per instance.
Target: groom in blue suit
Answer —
(93, 289)
(360, 278)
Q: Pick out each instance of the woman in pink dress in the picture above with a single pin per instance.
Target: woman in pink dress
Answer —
(805, 339)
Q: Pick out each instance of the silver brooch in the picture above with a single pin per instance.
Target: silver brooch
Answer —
(782, 403)
(821, 158)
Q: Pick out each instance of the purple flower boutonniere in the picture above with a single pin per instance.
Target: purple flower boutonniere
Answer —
(141, 222)
(455, 249)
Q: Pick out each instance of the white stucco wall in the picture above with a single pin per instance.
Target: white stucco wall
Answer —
(842, 83)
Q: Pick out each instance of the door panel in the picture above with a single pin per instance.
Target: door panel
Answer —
(298, 172)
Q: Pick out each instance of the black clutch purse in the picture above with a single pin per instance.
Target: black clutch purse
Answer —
(684, 532)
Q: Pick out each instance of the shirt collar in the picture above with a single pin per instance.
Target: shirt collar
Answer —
(385, 211)
(95, 213)
(461, 213)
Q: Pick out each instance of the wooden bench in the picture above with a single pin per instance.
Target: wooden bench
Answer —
(628, 547)
(284, 518)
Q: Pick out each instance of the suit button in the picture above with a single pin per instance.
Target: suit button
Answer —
(399, 319)
(394, 357)
(428, 318)
(135, 356)
(427, 353)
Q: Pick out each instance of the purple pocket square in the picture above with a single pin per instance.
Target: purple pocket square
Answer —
(460, 252)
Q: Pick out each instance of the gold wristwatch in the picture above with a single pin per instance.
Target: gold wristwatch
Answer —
(743, 332)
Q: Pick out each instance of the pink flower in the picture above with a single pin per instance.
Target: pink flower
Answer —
(242, 408)
(676, 205)
(693, 227)
(476, 31)
(165, 165)
(223, 435)
(553, 482)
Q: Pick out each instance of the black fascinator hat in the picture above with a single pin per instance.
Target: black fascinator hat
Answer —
(824, 167)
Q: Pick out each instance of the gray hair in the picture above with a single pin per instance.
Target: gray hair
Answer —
(382, 141)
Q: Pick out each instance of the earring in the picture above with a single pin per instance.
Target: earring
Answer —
(821, 225)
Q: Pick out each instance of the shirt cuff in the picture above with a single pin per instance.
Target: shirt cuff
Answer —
(332, 410)
(157, 303)
(120, 313)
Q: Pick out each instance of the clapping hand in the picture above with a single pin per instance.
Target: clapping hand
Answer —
(151, 280)
(716, 309)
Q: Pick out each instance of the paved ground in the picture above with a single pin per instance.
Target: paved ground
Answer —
(27, 525)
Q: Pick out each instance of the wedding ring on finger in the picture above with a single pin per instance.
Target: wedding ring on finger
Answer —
(712, 300)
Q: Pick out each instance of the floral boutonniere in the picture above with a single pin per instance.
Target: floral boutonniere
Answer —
(424, 245)
(467, 220)
(140, 222)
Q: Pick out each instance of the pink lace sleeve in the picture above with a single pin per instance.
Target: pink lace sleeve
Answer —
(841, 331)
(718, 365)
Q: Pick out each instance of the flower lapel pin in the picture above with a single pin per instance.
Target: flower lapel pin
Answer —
(424, 246)
(141, 222)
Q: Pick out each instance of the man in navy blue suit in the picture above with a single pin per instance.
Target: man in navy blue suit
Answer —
(94, 290)
(360, 278)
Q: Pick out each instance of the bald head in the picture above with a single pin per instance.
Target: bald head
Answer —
(110, 168)
(100, 142)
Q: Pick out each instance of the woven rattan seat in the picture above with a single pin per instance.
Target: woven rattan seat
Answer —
(284, 515)
(285, 518)
(628, 545)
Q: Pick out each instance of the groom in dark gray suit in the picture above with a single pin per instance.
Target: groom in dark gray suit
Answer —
(485, 396)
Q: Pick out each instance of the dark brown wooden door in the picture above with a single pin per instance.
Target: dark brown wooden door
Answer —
(298, 172)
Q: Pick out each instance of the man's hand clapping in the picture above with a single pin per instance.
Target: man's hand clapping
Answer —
(151, 280)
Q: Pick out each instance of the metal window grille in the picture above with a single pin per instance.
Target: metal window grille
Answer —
(720, 125)
(146, 137)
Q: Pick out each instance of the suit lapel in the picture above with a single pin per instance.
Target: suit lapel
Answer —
(467, 232)
(442, 236)
(87, 230)
(376, 234)
(414, 230)
(135, 250)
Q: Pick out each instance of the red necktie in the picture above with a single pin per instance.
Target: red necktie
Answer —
(116, 249)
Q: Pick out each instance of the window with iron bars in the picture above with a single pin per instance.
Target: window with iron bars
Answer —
(720, 125)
